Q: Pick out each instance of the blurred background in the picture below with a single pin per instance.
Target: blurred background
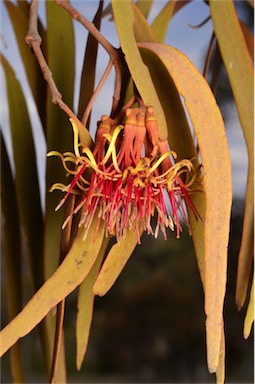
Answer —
(150, 327)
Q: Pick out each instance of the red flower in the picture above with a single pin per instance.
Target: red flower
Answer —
(128, 178)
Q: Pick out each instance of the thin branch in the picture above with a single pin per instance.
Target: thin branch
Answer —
(217, 63)
(121, 114)
(57, 340)
(200, 24)
(113, 52)
(209, 56)
(87, 83)
(96, 92)
(33, 39)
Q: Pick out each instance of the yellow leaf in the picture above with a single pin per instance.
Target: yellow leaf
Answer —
(67, 277)
(124, 18)
(220, 372)
(209, 129)
(161, 22)
(249, 318)
(239, 68)
(115, 262)
(85, 307)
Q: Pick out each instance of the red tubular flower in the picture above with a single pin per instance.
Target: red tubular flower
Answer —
(128, 178)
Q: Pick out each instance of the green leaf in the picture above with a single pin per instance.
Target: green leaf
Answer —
(26, 180)
(60, 54)
(114, 264)
(60, 57)
(11, 241)
(85, 307)
(124, 18)
(73, 270)
(209, 129)
(19, 15)
(240, 72)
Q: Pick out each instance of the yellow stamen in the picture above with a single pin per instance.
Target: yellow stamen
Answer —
(76, 138)
(161, 159)
(63, 160)
(112, 139)
(59, 186)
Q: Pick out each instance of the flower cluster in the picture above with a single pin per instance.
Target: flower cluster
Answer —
(129, 177)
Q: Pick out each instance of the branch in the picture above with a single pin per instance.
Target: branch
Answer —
(96, 92)
(33, 39)
(112, 51)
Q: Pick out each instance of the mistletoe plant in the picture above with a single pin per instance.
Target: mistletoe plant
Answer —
(143, 163)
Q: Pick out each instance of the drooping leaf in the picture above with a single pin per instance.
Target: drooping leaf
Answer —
(209, 129)
(19, 15)
(240, 72)
(124, 18)
(85, 307)
(178, 129)
(11, 241)
(114, 263)
(249, 318)
(220, 372)
(73, 270)
(26, 179)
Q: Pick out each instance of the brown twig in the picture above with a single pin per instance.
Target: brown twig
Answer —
(33, 39)
(209, 56)
(96, 92)
(112, 51)
(217, 63)
(121, 114)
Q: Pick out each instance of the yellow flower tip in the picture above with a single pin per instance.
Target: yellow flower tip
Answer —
(132, 117)
(150, 114)
(53, 153)
(112, 140)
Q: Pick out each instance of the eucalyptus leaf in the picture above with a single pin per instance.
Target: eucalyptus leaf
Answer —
(204, 112)
(73, 270)
(239, 68)
(124, 19)
(86, 306)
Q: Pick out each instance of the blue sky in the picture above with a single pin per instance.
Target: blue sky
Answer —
(192, 42)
